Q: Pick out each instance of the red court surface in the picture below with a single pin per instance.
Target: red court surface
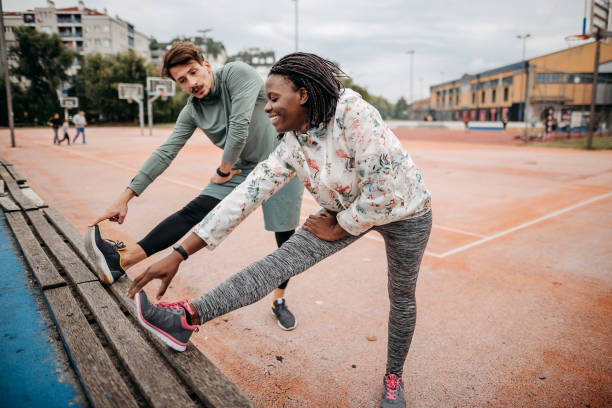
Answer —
(514, 294)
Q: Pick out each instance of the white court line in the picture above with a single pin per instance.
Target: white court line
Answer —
(371, 235)
(526, 224)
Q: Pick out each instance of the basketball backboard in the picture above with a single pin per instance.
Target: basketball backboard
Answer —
(160, 86)
(600, 17)
(130, 91)
(69, 102)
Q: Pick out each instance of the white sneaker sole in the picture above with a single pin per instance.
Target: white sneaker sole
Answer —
(99, 263)
(155, 332)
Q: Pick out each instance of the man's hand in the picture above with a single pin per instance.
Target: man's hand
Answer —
(323, 225)
(117, 210)
(217, 179)
(163, 270)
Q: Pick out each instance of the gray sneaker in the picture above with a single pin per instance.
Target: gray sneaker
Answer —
(286, 319)
(105, 255)
(393, 392)
(167, 321)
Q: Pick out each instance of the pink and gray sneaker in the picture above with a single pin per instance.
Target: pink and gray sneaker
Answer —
(166, 320)
(393, 392)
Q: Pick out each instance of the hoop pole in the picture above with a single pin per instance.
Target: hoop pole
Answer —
(7, 79)
(141, 116)
(589, 144)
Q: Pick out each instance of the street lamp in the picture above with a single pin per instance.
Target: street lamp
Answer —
(411, 53)
(296, 25)
(523, 37)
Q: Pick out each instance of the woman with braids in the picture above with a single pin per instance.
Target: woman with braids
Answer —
(354, 166)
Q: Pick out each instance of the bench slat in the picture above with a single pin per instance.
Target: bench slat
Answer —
(42, 268)
(72, 264)
(15, 191)
(102, 383)
(147, 368)
(70, 232)
(208, 382)
(8, 204)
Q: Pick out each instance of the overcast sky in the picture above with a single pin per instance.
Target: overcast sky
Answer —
(368, 38)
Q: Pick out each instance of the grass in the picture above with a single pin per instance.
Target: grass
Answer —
(599, 143)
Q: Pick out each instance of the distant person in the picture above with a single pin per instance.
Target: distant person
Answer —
(55, 122)
(79, 123)
(65, 128)
(504, 124)
(466, 122)
(339, 147)
(228, 105)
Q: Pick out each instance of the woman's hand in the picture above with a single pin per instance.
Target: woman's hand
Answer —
(163, 270)
(323, 225)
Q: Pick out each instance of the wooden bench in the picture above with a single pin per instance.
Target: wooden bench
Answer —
(118, 363)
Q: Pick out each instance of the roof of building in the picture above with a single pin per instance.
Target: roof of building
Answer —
(88, 11)
(509, 67)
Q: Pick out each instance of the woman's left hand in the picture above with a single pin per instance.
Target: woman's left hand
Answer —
(324, 226)
(164, 270)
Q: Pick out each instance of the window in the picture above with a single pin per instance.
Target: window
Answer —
(493, 95)
(506, 94)
(548, 77)
(507, 81)
(106, 29)
(107, 43)
(96, 28)
(483, 96)
(473, 98)
(457, 99)
(98, 42)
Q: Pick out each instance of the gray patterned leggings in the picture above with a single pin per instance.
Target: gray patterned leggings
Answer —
(405, 243)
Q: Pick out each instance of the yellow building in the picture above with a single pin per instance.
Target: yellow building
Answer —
(561, 81)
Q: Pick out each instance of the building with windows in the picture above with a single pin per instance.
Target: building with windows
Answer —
(262, 61)
(213, 51)
(85, 30)
(561, 81)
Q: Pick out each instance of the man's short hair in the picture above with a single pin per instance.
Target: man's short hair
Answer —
(180, 53)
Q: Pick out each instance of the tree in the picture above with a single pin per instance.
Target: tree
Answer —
(400, 108)
(41, 64)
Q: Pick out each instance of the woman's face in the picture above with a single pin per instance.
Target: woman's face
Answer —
(286, 105)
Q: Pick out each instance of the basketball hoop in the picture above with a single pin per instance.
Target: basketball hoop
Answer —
(164, 96)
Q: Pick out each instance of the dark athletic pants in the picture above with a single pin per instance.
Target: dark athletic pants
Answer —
(405, 243)
(173, 228)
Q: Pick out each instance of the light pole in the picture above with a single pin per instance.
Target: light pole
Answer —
(523, 37)
(411, 53)
(296, 24)
(7, 80)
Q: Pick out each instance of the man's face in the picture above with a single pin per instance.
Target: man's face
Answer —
(193, 78)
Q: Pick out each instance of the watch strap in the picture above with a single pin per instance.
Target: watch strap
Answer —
(179, 248)
(222, 174)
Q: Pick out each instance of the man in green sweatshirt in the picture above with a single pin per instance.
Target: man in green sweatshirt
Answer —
(228, 105)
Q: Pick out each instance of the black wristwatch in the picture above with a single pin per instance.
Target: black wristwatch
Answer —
(222, 174)
(179, 248)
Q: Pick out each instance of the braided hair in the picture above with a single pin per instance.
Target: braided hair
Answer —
(320, 79)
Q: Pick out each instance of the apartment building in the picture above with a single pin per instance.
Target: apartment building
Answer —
(85, 30)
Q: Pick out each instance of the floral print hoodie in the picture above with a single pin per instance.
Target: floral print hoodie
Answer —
(352, 165)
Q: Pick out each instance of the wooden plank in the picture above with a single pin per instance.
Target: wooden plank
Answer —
(16, 175)
(42, 268)
(8, 204)
(102, 382)
(72, 264)
(4, 162)
(15, 191)
(211, 386)
(28, 192)
(70, 233)
(2, 189)
(158, 384)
